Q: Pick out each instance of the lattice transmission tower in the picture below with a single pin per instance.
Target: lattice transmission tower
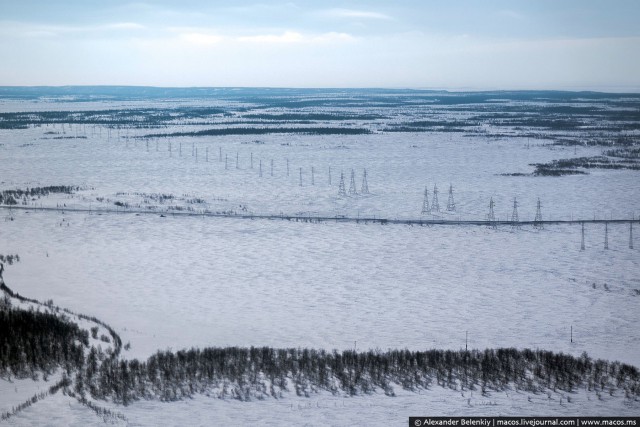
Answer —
(537, 221)
(341, 190)
(491, 217)
(365, 185)
(425, 202)
(435, 206)
(451, 204)
(352, 183)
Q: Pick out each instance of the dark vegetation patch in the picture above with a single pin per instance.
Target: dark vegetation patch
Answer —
(267, 131)
(624, 153)
(41, 341)
(70, 137)
(309, 117)
(439, 128)
(35, 341)
(137, 118)
(545, 113)
(570, 166)
(11, 197)
(9, 259)
(258, 373)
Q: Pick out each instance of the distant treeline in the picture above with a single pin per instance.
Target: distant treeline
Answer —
(11, 197)
(569, 166)
(546, 112)
(142, 117)
(285, 117)
(266, 131)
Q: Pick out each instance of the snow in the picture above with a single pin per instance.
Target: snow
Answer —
(177, 282)
(327, 410)
(193, 281)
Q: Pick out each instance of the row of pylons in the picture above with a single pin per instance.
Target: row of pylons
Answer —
(364, 188)
(537, 222)
(435, 204)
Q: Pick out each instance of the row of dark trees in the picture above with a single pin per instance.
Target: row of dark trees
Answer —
(9, 259)
(568, 166)
(143, 117)
(320, 130)
(258, 373)
(64, 382)
(34, 341)
(10, 197)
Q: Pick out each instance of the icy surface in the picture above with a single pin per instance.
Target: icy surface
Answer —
(192, 281)
(177, 282)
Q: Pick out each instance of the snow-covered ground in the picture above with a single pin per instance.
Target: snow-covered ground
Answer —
(399, 166)
(325, 410)
(193, 281)
(178, 282)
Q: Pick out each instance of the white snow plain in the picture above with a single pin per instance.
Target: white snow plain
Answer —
(177, 282)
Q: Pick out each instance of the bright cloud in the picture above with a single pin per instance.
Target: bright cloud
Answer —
(296, 37)
(514, 44)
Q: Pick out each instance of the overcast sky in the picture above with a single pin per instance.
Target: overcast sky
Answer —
(449, 44)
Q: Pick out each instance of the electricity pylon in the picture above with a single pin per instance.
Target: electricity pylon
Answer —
(352, 184)
(451, 204)
(341, 189)
(425, 202)
(537, 222)
(491, 217)
(514, 214)
(365, 184)
(435, 206)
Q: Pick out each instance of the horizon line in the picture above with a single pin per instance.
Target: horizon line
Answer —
(603, 90)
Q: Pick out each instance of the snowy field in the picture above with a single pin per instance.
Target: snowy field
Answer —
(176, 282)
